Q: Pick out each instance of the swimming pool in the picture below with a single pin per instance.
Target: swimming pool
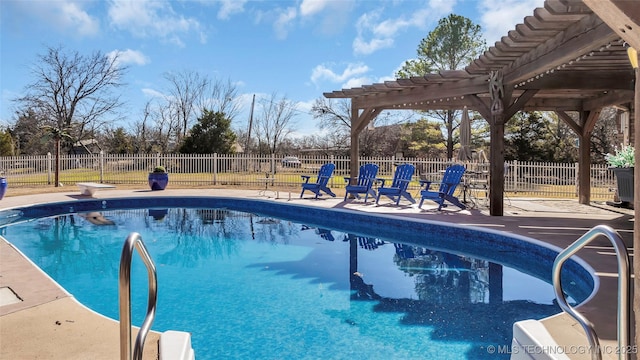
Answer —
(321, 284)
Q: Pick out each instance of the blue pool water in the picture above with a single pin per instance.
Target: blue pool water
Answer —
(257, 286)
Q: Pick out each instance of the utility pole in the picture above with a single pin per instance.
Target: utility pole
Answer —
(246, 146)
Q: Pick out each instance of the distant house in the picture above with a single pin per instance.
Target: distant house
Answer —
(237, 148)
(86, 147)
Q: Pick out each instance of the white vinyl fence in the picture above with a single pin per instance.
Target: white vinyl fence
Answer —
(556, 180)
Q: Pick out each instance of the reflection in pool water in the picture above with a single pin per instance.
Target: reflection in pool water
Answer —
(250, 286)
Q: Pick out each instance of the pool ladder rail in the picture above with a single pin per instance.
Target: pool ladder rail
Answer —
(624, 290)
(134, 240)
(173, 345)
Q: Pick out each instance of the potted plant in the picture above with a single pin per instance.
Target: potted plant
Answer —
(3, 187)
(159, 178)
(622, 164)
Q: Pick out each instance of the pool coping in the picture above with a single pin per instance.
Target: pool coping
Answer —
(511, 223)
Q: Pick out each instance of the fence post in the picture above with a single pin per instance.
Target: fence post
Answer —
(516, 175)
(101, 162)
(48, 168)
(332, 159)
(577, 170)
(393, 163)
(215, 168)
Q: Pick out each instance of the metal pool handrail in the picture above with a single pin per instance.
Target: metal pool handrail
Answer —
(134, 240)
(624, 290)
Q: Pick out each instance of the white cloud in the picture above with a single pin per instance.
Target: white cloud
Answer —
(391, 77)
(230, 7)
(366, 24)
(362, 47)
(353, 76)
(329, 16)
(356, 82)
(498, 17)
(442, 7)
(375, 33)
(75, 17)
(310, 7)
(322, 72)
(150, 18)
(152, 93)
(284, 22)
(67, 16)
(129, 57)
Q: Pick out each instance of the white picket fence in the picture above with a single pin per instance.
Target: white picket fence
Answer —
(556, 180)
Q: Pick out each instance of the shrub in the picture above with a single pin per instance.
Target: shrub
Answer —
(159, 169)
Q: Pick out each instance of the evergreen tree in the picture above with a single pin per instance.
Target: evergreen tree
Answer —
(453, 44)
(525, 138)
(423, 139)
(561, 141)
(212, 134)
(6, 143)
(29, 136)
(118, 141)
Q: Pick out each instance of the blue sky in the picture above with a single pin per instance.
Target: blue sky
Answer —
(297, 49)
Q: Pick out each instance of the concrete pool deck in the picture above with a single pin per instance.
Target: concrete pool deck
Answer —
(48, 323)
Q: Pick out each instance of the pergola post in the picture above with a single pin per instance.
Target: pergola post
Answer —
(496, 152)
(584, 169)
(355, 146)
(583, 129)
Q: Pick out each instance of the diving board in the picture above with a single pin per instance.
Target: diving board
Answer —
(90, 188)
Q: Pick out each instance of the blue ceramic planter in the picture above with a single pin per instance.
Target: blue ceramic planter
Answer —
(3, 187)
(158, 181)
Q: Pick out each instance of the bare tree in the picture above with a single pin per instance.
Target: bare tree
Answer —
(604, 136)
(325, 144)
(142, 129)
(191, 92)
(166, 128)
(220, 97)
(73, 93)
(73, 90)
(276, 121)
(158, 128)
(335, 118)
(186, 90)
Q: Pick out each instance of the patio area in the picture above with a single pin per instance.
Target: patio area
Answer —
(48, 323)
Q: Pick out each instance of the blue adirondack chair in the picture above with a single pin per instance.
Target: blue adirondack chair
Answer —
(324, 174)
(366, 177)
(398, 187)
(450, 180)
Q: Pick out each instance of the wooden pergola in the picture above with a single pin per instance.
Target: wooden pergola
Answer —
(569, 56)
(564, 58)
